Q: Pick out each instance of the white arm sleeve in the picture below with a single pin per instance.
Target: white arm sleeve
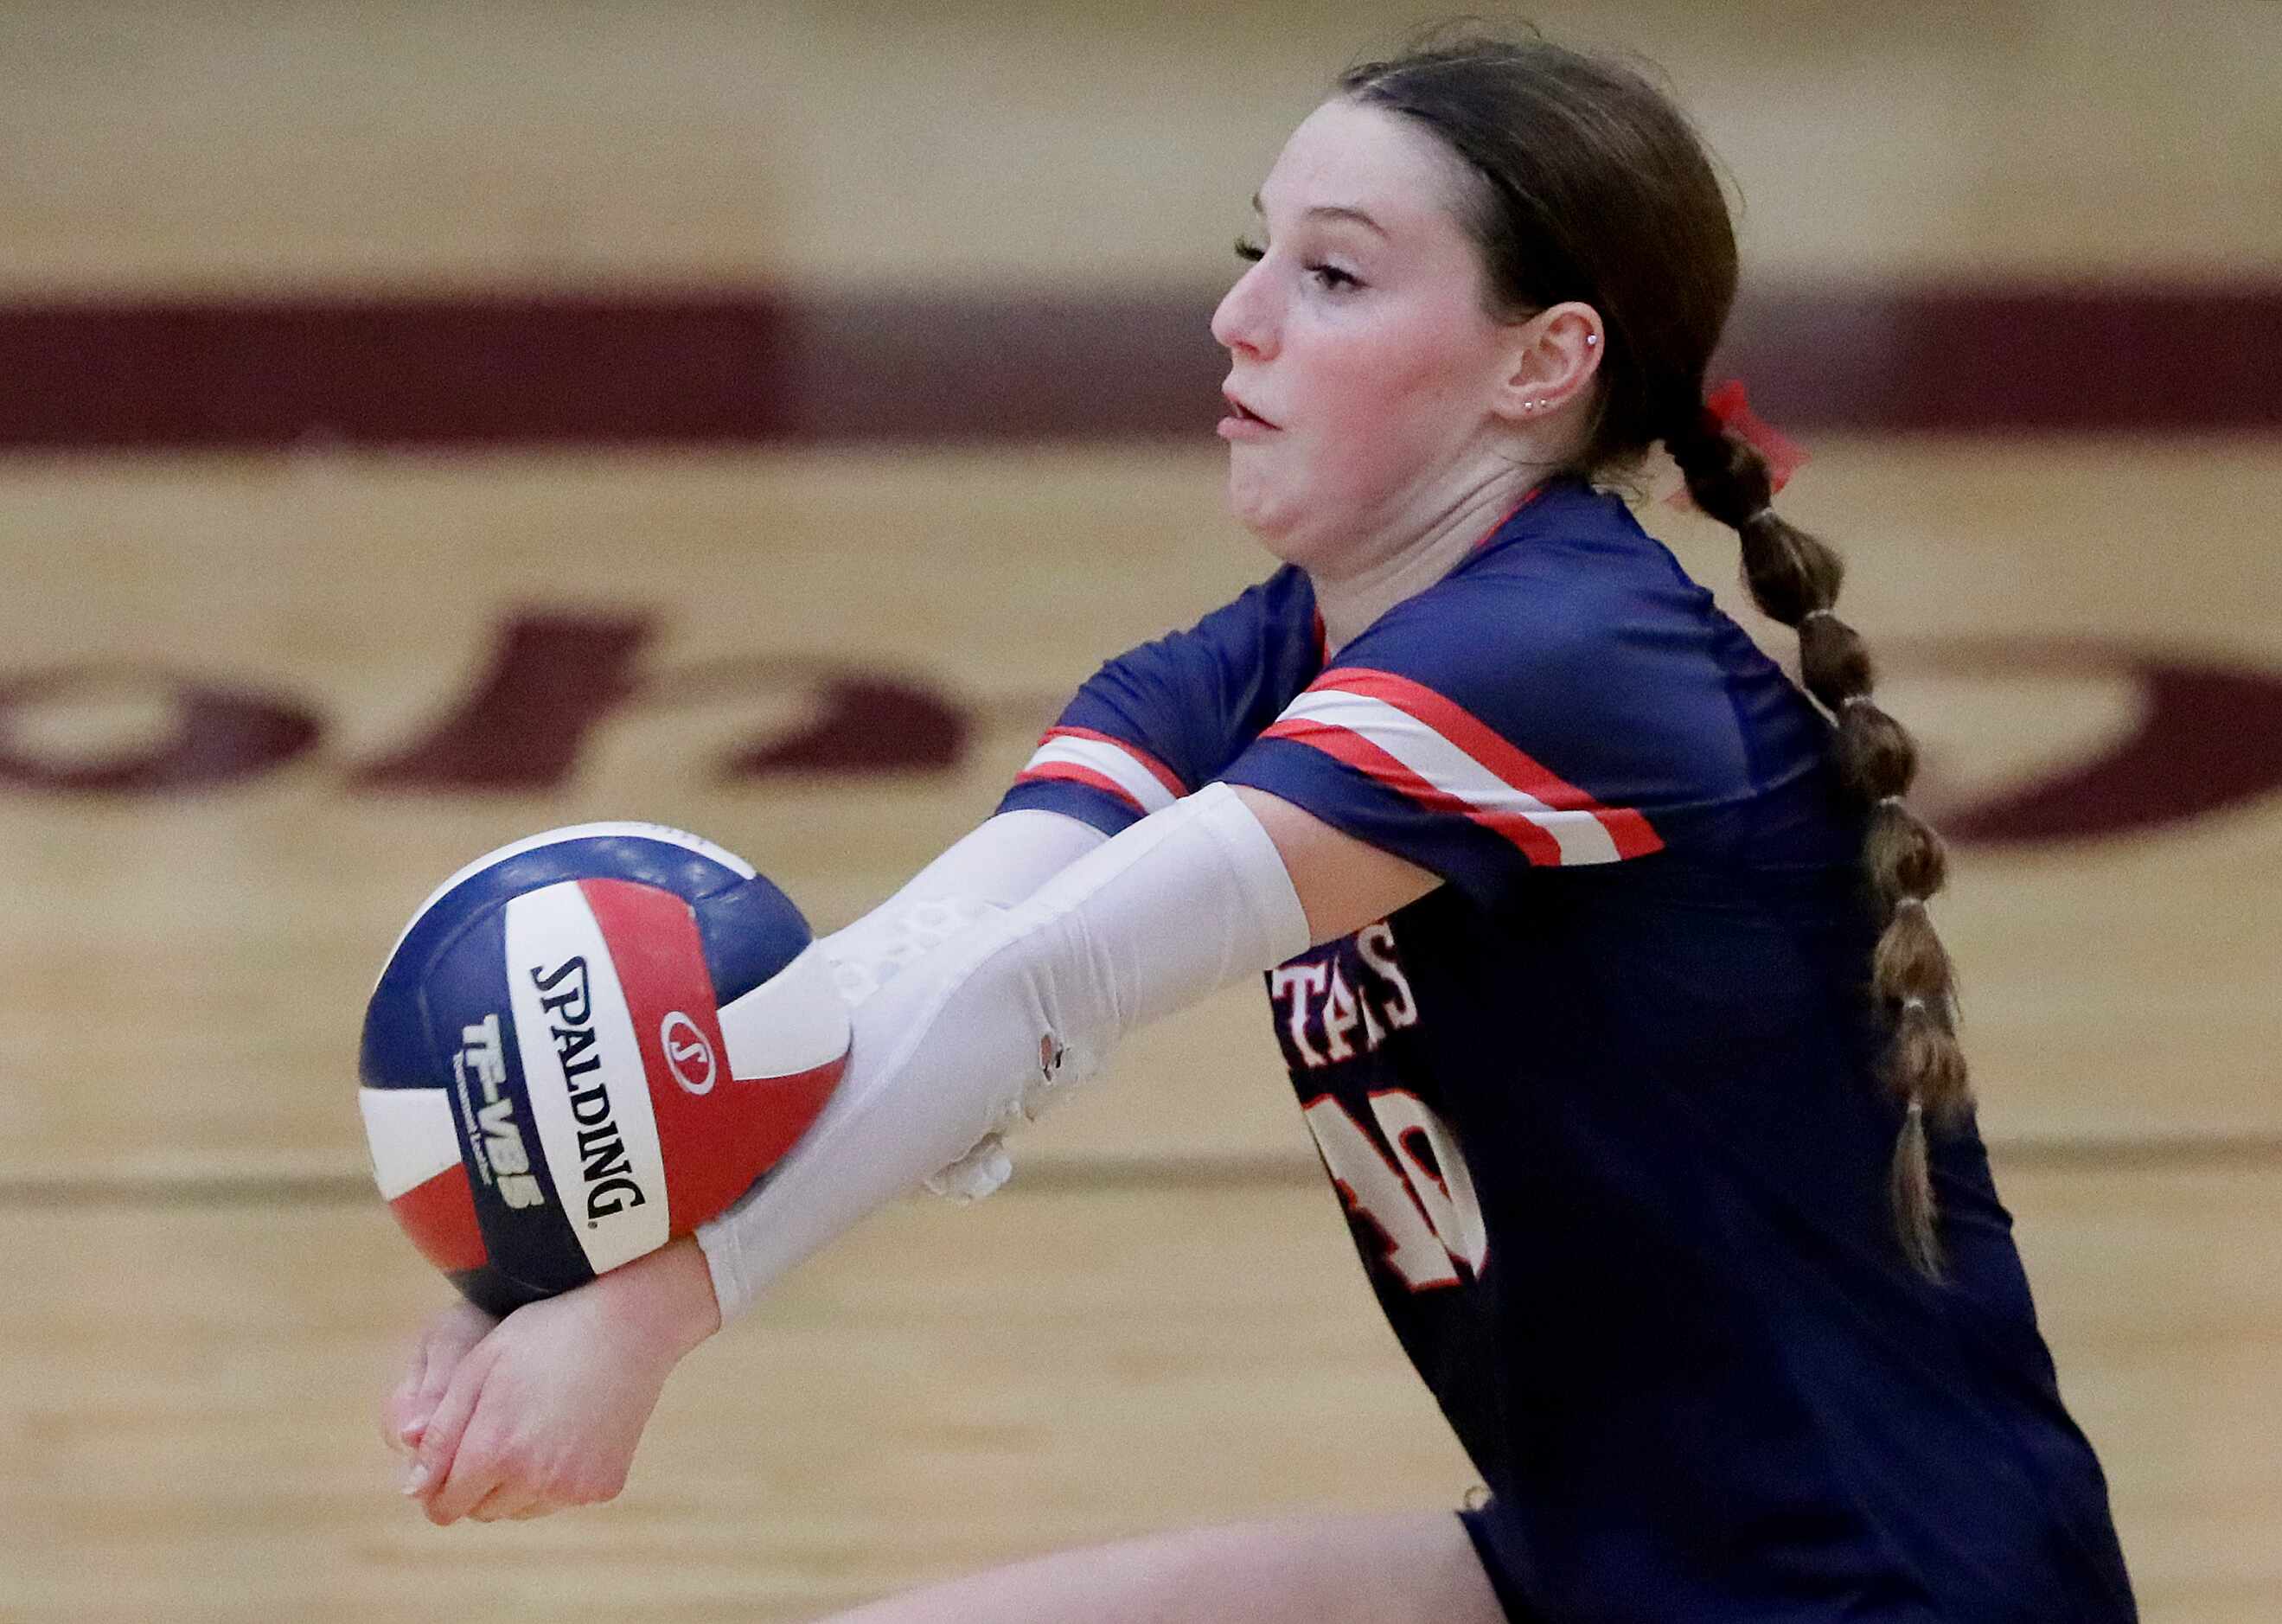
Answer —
(974, 1036)
(1002, 861)
(995, 865)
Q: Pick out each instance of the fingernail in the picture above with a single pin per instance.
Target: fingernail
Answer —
(416, 1479)
(411, 1430)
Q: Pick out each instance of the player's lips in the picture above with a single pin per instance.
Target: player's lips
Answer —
(1243, 424)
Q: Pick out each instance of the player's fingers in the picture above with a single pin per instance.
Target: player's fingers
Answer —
(400, 1412)
(505, 1501)
(482, 1464)
(451, 1336)
(435, 1354)
(439, 1439)
(474, 1472)
(436, 1372)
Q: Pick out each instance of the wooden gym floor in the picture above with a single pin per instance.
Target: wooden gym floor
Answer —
(227, 662)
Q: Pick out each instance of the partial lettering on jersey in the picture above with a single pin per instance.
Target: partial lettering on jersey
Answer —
(1410, 1184)
(1341, 1012)
(1342, 998)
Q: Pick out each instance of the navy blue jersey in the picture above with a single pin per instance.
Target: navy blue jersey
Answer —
(1604, 1109)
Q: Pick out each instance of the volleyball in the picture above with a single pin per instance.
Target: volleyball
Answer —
(585, 1044)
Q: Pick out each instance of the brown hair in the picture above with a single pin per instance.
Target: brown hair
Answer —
(1589, 185)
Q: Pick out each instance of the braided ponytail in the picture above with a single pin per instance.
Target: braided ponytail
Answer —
(1794, 578)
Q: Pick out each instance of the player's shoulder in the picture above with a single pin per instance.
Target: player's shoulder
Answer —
(1261, 644)
(1574, 546)
(1279, 608)
(1568, 586)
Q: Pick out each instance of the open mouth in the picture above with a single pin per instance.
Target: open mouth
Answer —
(1245, 413)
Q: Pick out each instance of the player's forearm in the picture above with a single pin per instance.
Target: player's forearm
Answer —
(667, 1295)
(969, 1039)
(1000, 862)
(1005, 859)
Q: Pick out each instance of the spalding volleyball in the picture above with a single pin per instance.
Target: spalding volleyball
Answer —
(585, 1044)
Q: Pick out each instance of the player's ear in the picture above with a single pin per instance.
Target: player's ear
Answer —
(1550, 359)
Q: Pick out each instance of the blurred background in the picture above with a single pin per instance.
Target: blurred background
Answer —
(428, 423)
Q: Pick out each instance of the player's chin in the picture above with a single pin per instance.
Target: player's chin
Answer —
(1258, 499)
(1286, 546)
(1269, 526)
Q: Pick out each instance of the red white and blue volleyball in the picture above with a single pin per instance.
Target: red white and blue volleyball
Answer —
(585, 1044)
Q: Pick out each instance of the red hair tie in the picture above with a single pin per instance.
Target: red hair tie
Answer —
(1728, 410)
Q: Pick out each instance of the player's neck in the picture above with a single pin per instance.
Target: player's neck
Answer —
(1408, 561)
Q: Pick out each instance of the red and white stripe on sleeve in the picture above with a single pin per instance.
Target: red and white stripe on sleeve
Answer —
(1081, 756)
(1422, 745)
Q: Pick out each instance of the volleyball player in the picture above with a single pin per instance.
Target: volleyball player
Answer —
(1598, 951)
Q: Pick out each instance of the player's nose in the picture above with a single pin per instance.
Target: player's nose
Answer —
(1245, 319)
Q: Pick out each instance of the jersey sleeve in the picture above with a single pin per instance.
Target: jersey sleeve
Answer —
(1162, 719)
(1484, 731)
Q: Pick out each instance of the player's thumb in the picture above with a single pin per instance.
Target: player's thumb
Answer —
(439, 1438)
(405, 1411)
(447, 1341)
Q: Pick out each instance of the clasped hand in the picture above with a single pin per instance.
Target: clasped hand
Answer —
(518, 1417)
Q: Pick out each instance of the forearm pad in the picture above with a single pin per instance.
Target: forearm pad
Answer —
(976, 1035)
(993, 866)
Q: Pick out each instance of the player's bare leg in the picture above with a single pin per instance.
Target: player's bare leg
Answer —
(1397, 1568)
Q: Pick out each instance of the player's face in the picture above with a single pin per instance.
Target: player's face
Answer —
(1362, 363)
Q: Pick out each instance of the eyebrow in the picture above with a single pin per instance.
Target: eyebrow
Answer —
(1331, 210)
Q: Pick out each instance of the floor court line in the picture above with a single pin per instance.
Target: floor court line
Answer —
(1092, 1174)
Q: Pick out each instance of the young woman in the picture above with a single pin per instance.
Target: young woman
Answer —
(1597, 949)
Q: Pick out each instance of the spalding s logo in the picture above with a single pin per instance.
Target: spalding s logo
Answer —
(687, 1055)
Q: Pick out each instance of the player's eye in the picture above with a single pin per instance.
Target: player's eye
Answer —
(1328, 276)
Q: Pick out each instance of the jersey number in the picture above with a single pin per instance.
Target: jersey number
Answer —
(1420, 1198)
